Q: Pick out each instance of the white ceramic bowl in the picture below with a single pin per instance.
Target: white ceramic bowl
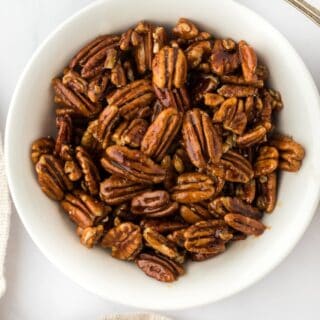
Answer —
(31, 116)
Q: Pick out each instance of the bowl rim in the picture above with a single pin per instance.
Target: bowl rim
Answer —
(11, 111)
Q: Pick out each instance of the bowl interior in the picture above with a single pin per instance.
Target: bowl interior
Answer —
(32, 115)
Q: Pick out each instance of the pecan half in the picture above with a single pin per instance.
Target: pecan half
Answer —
(108, 118)
(249, 61)
(130, 133)
(244, 224)
(193, 187)
(74, 81)
(232, 167)
(90, 236)
(125, 240)
(202, 142)
(41, 146)
(161, 244)
(132, 164)
(117, 190)
(193, 213)
(185, 29)
(252, 137)
(223, 205)
(197, 52)
(231, 114)
(83, 209)
(223, 61)
(232, 90)
(267, 161)
(64, 126)
(159, 267)
(202, 84)
(97, 87)
(89, 140)
(153, 204)
(162, 226)
(207, 237)
(246, 191)
(90, 171)
(169, 68)
(213, 99)
(161, 133)
(132, 98)
(267, 192)
(175, 98)
(79, 103)
(291, 153)
(90, 50)
(51, 177)
(240, 80)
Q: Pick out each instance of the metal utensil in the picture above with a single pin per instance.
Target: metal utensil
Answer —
(306, 8)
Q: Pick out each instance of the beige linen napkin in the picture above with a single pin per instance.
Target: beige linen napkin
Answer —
(5, 211)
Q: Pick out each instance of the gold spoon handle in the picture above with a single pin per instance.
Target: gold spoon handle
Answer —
(306, 8)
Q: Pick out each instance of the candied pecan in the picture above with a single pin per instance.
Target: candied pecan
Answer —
(74, 81)
(181, 161)
(197, 52)
(83, 209)
(232, 167)
(153, 204)
(246, 191)
(177, 237)
(244, 224)
(130, 133)
(252, 137)
(90, 171)
(239, 80)
(207, 237)
(202, 142)
(132, 164)
(276, 101)
(161, 244)
(223, 205)
(160, 133)
(117, 190)
(107, 120)
(92, 48)
(232, 90)
(232, 115)
(229, 44)
(195, 212)
(185, 29)
(175, 98)
(89, 140)
(267, 192)
(97, 87)
(169, 68)
(162, 226)
(118, 75)
(193, 187)
(291, 153)
(41, 146)
(90, 236)
(202, 84)
(159, 267)
(51, 177)
(79, 103)
(267, 161)
(131, 98)
(223, 61)
(249, 61)
(64, 126)
(213, 99)
(146, 40)
(72, 170)
(125, 240)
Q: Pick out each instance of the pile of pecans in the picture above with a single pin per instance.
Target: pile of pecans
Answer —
(166, 146)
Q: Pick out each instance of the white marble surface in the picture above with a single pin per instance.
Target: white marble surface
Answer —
(37, 290)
